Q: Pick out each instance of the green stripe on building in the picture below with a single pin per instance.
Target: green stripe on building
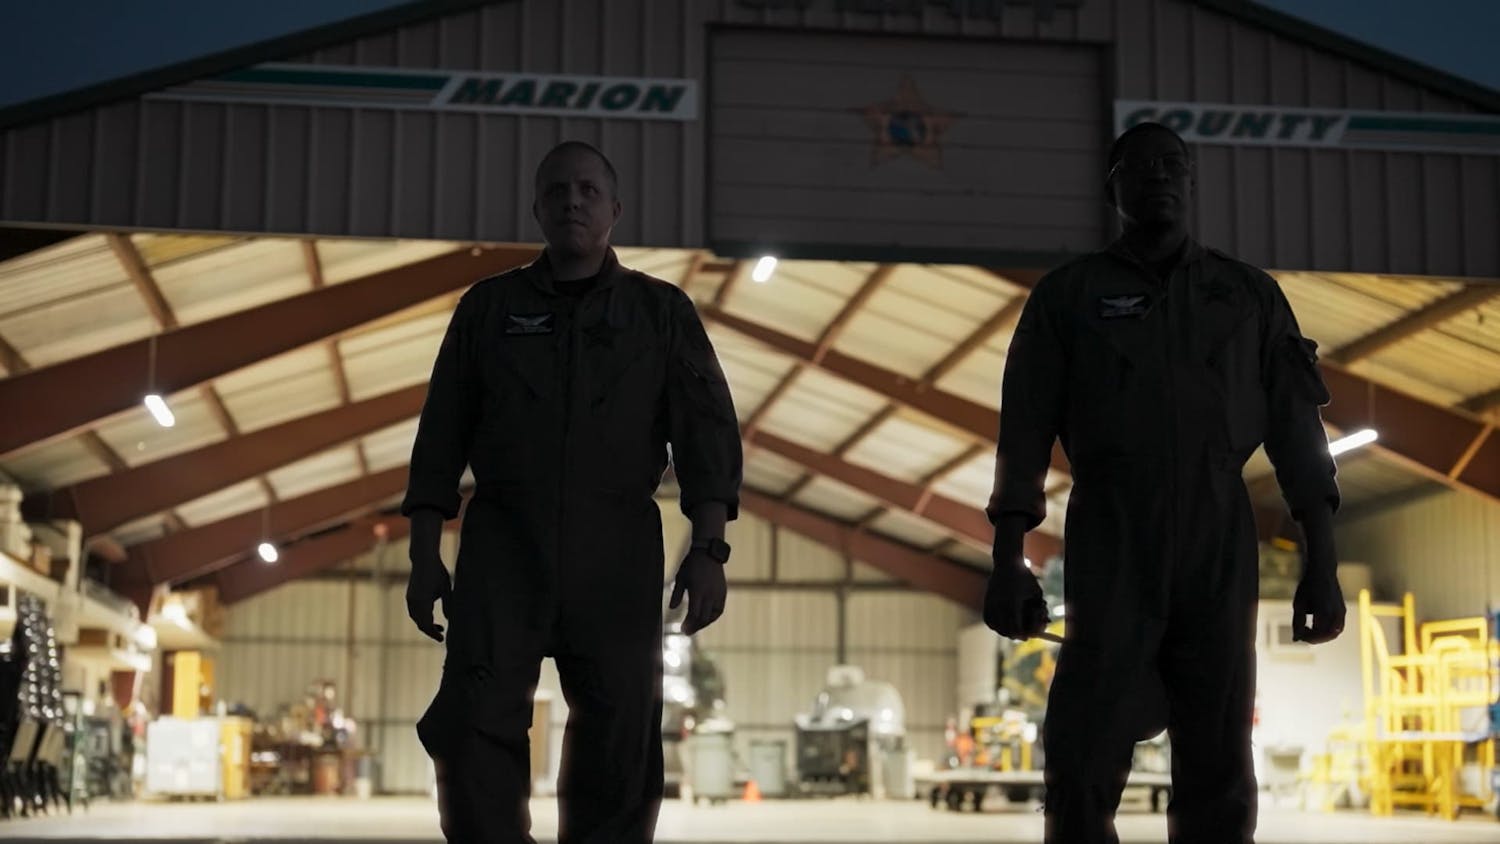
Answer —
(1422, 125)
(277, 76)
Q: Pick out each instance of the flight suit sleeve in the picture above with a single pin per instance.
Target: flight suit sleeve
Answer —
(446, 427)
(1295, 439)
(702, 426)
(1032, 398)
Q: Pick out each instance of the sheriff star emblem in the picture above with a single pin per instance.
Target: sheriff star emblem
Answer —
(907, 124)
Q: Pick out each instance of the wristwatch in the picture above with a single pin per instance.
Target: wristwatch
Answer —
(717, 549)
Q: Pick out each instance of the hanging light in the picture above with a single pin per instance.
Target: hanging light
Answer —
(154, 402)
(1352, 441)
(763, 269)
(159, 410)
(266, 549)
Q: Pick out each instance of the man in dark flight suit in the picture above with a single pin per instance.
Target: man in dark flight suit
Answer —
(1161, 365)
(561, 385)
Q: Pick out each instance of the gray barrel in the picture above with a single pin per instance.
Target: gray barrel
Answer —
(896, 771)
(768, 766)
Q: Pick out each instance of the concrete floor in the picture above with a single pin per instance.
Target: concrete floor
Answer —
(784, 822)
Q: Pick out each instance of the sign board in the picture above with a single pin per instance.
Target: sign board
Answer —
(1263, 125)
(617, 97)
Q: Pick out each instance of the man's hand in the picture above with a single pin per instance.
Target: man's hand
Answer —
(427, 584)
(1013, 602)
(702, 578)
(1318, 594)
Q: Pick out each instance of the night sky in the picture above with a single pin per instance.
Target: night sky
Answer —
(60, 45)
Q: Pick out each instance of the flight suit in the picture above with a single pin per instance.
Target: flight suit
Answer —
(564, 408)
(1159, 391)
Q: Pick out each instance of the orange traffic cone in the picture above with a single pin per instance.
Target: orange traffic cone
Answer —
(752, 792)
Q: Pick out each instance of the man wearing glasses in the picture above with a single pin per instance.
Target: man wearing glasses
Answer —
(1161, 365)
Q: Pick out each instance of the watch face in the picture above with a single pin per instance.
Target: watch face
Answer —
(719, 550)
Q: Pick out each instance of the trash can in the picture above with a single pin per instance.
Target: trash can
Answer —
(768, 766)
(364, 776)
(896, 770)
(711, 766)
(325, 774)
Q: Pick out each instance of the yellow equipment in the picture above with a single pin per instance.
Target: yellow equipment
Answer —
(1415, 745)
(1004, 741)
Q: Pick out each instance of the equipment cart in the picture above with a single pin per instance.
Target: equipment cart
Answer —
(959, 788)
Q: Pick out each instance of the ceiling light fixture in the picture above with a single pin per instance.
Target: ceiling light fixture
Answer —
(159, 410)
(154, 402)
(1352, 441)
(266, 549)
(763, 269)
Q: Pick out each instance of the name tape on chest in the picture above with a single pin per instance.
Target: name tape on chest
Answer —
(529, 323)
(1119, 307)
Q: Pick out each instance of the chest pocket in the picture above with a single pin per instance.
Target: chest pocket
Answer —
(629, 370)
(1222, 315)
(1116, 350)
(1225, 351)
(518, 371)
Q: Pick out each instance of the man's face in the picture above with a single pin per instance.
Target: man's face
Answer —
(1153, 180)
(575, 203)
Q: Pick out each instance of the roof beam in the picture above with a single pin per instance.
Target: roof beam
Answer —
(1002, 319)
(11, 359)
(139, 275)
(1434, 441)
(313, 263)
(95, 445)
(1483, 403)
(946, 578)
(103, 504)
(999, 321)
(731, 278)
(1469, 453)
(695, 266)
(826, 339)
(207, 548)
(1429, 316)
(75, 393)
(310, 556)
(977, 421)
(967, 522)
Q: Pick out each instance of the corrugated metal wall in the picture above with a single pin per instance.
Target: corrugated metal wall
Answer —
(294, 169)
(1444, 549)
(1392, 212)
(773, 645)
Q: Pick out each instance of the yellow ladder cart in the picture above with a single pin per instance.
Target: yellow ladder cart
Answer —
(1415, 739)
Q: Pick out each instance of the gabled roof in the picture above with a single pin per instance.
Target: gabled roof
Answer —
(272, 49)
(1480, 96)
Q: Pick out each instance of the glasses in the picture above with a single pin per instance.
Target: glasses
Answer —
(1173, 164)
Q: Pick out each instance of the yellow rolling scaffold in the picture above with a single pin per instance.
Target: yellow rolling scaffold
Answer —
(1426, 710)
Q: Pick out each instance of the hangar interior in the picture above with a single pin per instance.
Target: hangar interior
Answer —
(272, 245)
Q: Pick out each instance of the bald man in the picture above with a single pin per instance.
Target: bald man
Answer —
(561, 384)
